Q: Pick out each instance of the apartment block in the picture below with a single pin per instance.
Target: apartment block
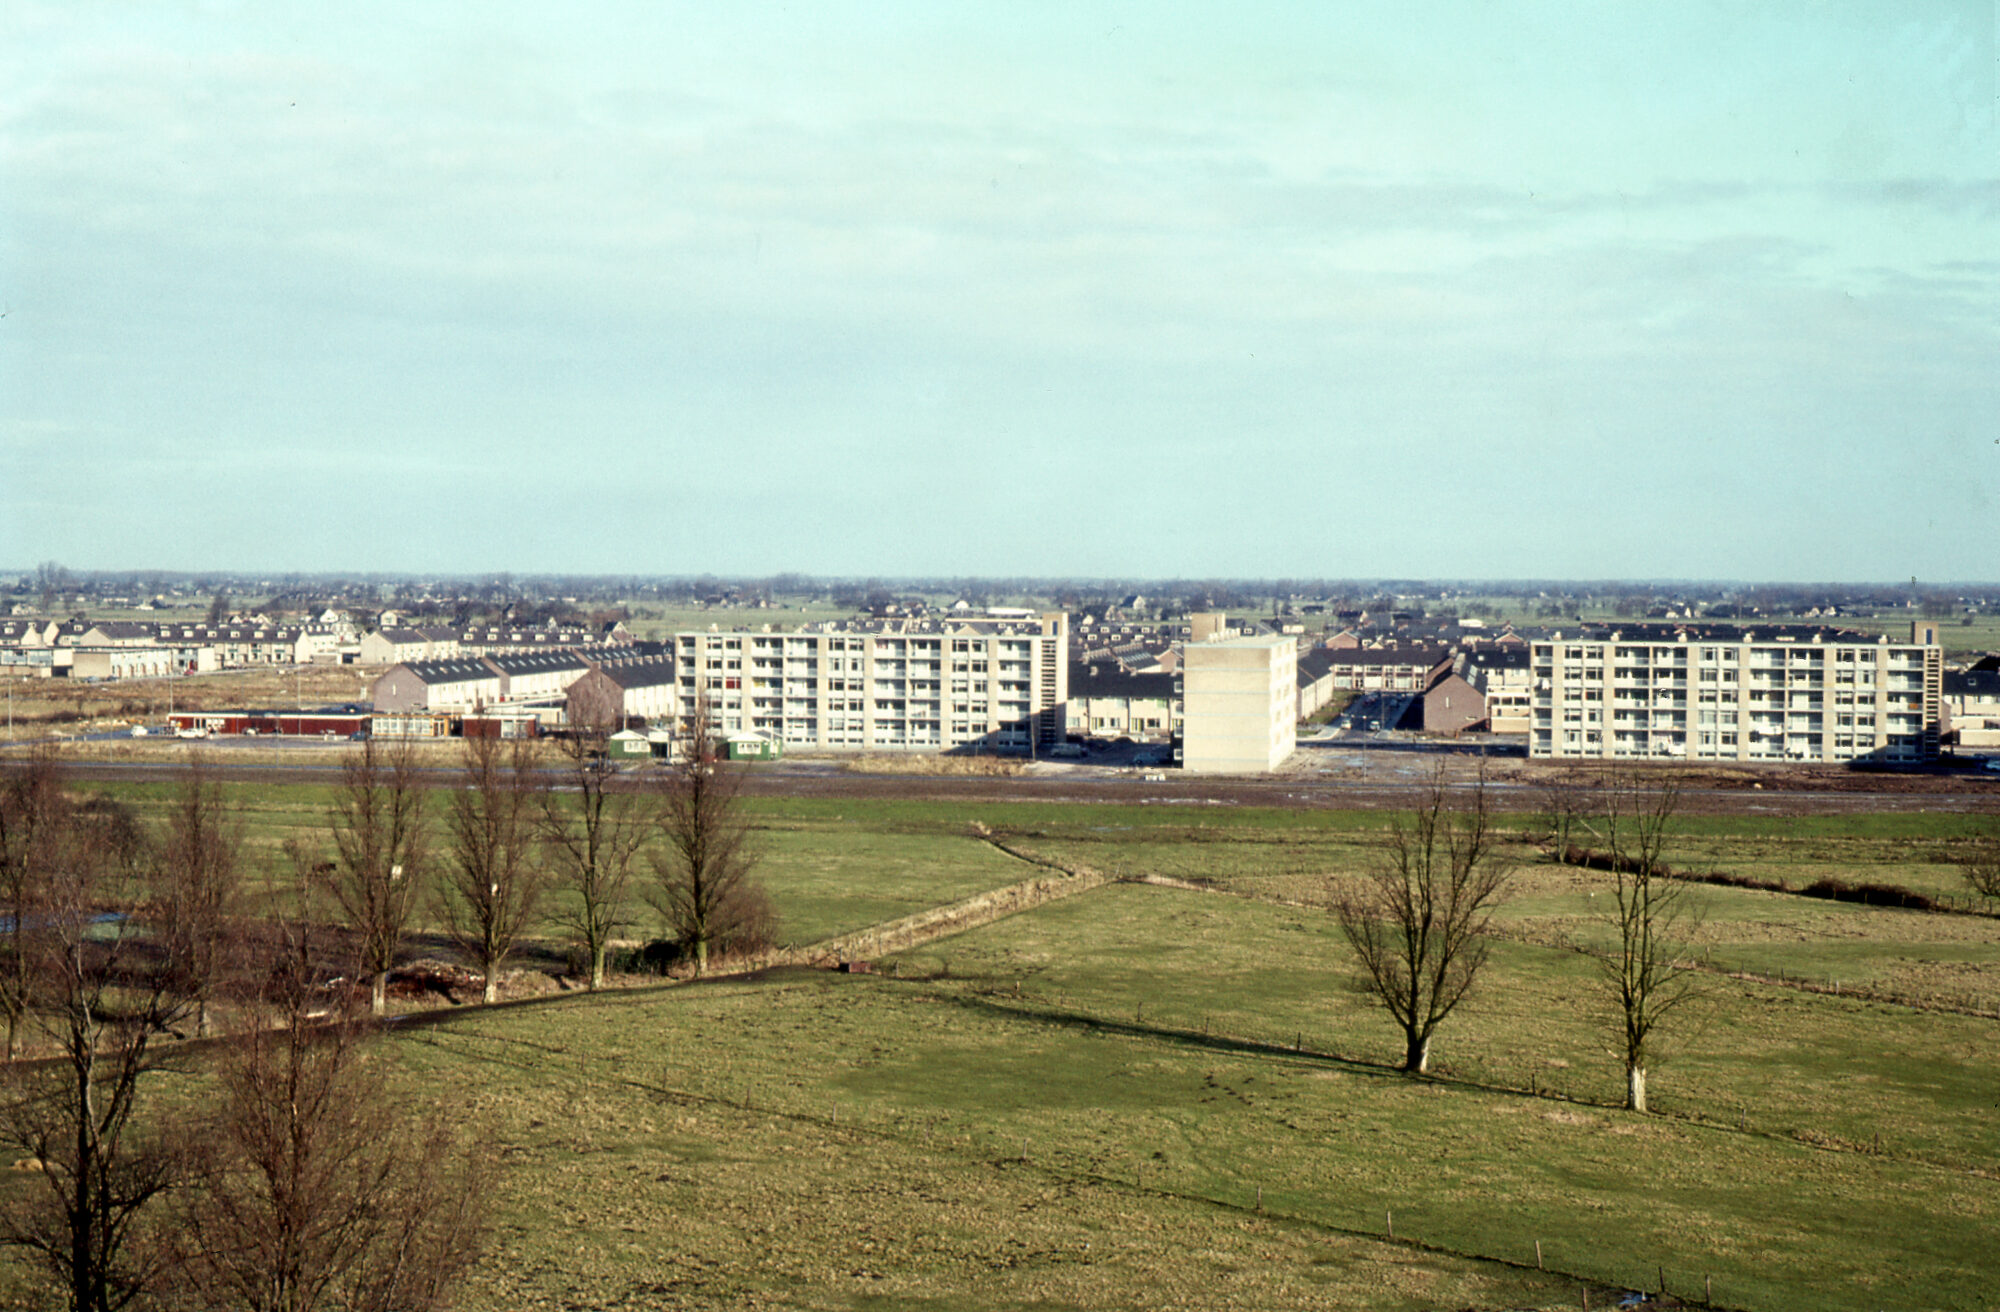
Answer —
(994, 685)
(1786, 693)
(1240, 704)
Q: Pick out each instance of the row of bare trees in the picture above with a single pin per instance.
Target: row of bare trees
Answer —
(300, 1182)
(1420, 924)
(297, 1180)
(523, 847)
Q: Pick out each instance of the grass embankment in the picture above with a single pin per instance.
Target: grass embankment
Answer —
(1085, 1106)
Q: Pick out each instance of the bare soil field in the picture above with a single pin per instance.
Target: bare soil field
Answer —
(70, 707)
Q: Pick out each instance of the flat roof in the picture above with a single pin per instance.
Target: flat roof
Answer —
(1253, 640)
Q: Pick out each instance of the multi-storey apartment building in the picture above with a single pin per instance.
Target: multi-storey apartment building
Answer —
(1241, 704)
(1781, 693)
(1000, 685)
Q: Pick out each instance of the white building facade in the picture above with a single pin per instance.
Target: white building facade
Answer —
(1239, 704)
(998, 685)
(1737, 697)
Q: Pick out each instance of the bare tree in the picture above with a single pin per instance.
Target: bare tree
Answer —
(381, 846)
(1565, 802)
(108, 972)
(1979, 864)
(197, 860)
(312, 1187)
(702, 889)
(1648, 972)
(591, 835)
(36, 831)
(492, 884)
(1419, 923)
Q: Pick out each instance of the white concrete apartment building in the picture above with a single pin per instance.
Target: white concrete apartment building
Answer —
(894, 685)
(1240, 703)
(1788, 693)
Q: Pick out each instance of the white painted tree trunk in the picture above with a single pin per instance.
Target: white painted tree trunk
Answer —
(1417, 1055)
(1635, 1087)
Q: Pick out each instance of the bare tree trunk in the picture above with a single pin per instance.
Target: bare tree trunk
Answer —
(590, 841)
(1417, 1054)
(1652, 918)
(196, 862)
(380, 840)
(1419, 923)
(100, 1003)
(492, 884)
(317, 1190)
(704, 894)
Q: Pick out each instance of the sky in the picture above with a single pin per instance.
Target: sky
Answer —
(1449, 290)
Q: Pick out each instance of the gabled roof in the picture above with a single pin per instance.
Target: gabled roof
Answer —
(465, 670)
(1314, 665)
(638, 673)
(1978, 684)
(537, 662)
(1421, 657)
(1499, 658)
(124, 630)
(1110, 679)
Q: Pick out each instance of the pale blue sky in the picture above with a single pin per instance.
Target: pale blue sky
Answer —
(1464, 290)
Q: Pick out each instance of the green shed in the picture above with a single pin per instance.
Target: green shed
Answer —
(753, 747)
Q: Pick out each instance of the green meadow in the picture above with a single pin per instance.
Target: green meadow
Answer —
(1172, 1094)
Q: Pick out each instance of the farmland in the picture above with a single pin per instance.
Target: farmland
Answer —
(1163, 1089)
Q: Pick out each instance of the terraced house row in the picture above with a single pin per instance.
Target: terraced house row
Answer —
(1721, 693)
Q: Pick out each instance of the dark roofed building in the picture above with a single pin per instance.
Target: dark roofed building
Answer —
(1387, 669)
(1972, 706)
(537, 675)
(623, 692)
(1107, 700)
(450, 685)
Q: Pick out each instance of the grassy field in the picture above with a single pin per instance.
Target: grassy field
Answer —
(1147, 1095)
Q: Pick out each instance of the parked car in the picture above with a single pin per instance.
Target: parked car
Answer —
(1151, 757)
(1068, 751)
